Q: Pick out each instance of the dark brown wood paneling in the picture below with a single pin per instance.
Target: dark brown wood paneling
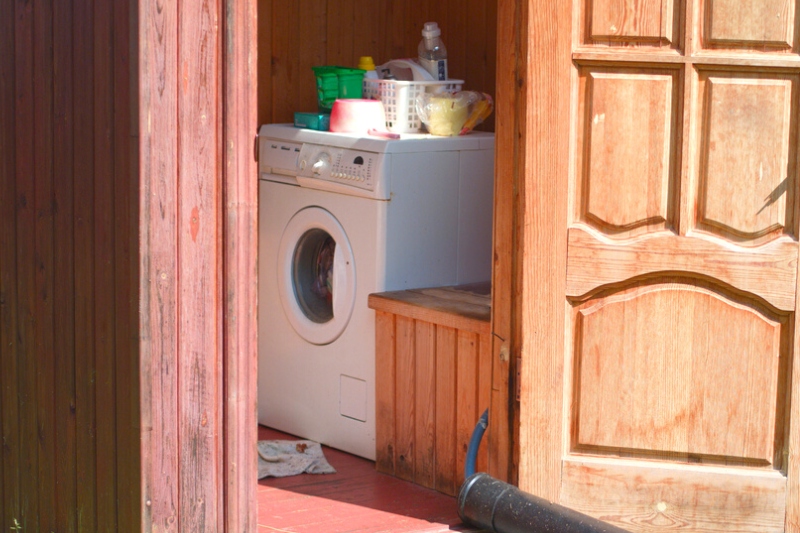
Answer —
(59, 276)
(64, 295)
(86, 407)
(125, 260)
(104, 273)
(265, 72)
(26, 261)
(298, 35)
(44, 267)
(9, 401)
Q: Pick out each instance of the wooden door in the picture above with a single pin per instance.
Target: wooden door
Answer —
(658, 261)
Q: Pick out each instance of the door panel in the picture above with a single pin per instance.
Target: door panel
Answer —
(626, 147)
(750, 22)
(747, 161)
(655, 379)
(676, 347)
(657, 497)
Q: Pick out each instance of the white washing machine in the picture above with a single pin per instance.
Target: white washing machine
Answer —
(342, 216)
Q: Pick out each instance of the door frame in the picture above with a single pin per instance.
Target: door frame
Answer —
(530, 213)
(201, 199)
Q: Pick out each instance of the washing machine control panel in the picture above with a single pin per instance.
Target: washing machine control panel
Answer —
(348, 168)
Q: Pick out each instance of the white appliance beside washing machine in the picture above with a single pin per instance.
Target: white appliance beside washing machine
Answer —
(342, 216)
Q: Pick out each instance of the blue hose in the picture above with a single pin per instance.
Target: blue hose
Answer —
(475, 443)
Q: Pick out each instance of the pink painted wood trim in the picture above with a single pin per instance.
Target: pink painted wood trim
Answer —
(158, 94)
(199, 260)
(240, 245)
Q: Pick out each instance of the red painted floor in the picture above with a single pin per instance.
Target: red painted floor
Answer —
(355, 499)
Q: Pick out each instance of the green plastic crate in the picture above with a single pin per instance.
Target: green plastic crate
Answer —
(337, 82)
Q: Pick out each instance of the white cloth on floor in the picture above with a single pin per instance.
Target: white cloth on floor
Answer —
(281, 458)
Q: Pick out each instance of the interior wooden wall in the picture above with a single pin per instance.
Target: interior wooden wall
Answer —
(294, 36)
(68, 271)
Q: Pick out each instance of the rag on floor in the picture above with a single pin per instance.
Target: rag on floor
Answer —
(281, 458)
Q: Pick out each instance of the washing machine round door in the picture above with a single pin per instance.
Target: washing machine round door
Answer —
(316, 275)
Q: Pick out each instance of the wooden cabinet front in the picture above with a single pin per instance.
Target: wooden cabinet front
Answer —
(434, 371)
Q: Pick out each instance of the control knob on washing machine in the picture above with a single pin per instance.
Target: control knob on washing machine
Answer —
(321, 163)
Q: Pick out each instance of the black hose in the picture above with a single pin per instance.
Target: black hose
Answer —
(494, 505)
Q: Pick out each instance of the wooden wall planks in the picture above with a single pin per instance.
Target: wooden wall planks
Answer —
(294, 36)
(9, 472)
(67, 271)
(64, 296)
(44, 280)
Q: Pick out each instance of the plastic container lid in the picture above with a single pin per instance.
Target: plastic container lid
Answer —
(430, 30)
(366, 63)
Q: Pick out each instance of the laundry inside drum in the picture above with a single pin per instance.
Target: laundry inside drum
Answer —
(312, 275)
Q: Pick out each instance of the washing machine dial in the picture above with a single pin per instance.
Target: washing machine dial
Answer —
(322, 163)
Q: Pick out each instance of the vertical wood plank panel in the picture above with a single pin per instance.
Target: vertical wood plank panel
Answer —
(385, 380)
(6, 78)
(395, 32)
(490, 81)
(370, 19)
(64, 295)
(476, 44)
(499, 438)
(286, 63)
(126, 192)
(466, 376)
(199, 348)
(541, 254)
(51, 282)
(240, 265)
(311, 51)
(265, 53)
(104, 271)
(8, 271)
(454, 34)
(384, 30)
(484, 395)
(405, 405)
(159, 273)
(84, 265)
(446, 410)
(44, 312)
(340, 43)
(417, 13)
(26, 264)
(425, 399)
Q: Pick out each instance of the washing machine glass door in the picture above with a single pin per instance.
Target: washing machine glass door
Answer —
(316, 275)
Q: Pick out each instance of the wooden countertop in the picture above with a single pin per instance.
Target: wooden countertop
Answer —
(466, 307)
